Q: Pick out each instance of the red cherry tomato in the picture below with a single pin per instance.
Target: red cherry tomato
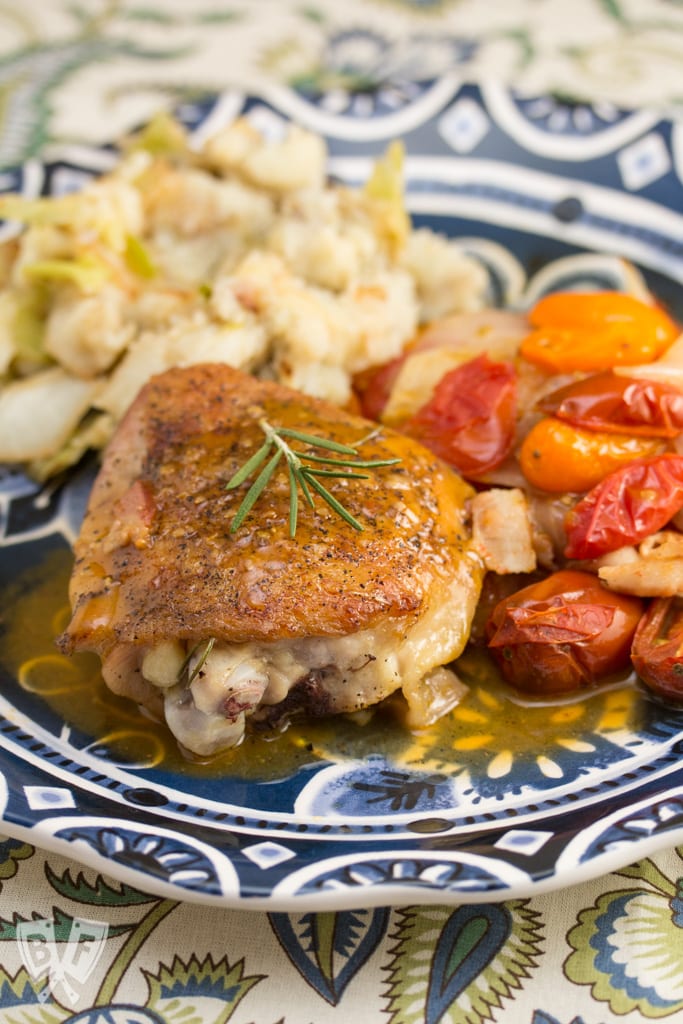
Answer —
(623, 405)
(496, 331)
(470, 419)
(657, 651)
(627, 506)
(563, 633)
(373, 386)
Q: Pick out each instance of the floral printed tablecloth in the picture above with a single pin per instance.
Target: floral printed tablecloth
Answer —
(88, 70)
(596, 953)
(83, 71)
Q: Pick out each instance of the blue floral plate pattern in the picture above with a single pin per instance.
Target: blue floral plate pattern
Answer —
(546, 195)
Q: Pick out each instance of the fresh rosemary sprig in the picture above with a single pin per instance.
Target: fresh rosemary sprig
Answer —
(304, 470)
(200, 664)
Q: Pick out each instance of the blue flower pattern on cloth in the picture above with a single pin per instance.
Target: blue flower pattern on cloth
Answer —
(629, 946)
(117, 1014)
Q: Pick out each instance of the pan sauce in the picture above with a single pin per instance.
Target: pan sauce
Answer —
(491, 724)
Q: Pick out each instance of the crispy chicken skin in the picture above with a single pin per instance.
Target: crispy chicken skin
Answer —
(332, 620)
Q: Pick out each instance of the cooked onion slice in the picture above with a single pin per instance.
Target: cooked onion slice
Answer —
(39, 413)
(501, 530)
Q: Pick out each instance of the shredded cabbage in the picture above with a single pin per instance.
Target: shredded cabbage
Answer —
(46, 210)
(162, 136)
(86, 273)
(138, 258)
(28, 328)
(93, 432)
(385, 190)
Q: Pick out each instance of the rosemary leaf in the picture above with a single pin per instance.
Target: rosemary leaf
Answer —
(255, 491)
(293, 500)
(186, 661)
(305, 490)
(304, 470)
(249, 466)
(356, 463)
(330, 499)
(200, 664)
(317, 442)
(338, 473)
(190, 655)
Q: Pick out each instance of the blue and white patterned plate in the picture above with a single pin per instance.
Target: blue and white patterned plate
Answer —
(547, 195)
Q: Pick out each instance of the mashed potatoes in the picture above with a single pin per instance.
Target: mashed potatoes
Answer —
(240, 252)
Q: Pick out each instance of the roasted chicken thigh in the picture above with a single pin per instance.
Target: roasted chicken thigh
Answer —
(209, 626)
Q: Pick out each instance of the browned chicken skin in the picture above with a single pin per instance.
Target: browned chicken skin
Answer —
(331, 620)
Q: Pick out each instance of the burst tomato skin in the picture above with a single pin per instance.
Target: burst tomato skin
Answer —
(657, 651)
(562, 634)
(626, 507)
(591, 331)
(559, 457)
(470, 419)
(624, 405)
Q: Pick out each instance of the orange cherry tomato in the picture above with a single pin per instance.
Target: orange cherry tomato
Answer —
(563, 633)
(592, 331)
(558, 457)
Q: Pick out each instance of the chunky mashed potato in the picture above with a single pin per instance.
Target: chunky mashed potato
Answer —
(240, 252)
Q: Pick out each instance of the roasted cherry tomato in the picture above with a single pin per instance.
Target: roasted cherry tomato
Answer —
(373, 386)
(470, 419)
(596, 331)
(495, 331)
(627, 506)
(623, 405)
(657, 651)
(556, 456)
(563, 633)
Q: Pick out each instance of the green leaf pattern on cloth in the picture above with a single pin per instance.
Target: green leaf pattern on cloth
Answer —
(460, 964)
(12, 852)
(212, 990)
(61, 922)
(101, 893)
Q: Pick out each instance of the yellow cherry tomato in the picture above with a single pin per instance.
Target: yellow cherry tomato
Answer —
(557, 457)
(592, 331)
